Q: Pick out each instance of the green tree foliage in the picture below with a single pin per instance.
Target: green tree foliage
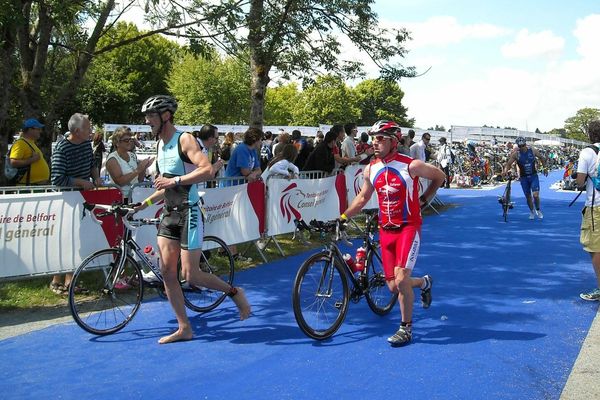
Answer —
(437, 128)
(281, 101)
(327, 101)
(300, 38)
(560, 132)
(127, 75)
(381, 99)
(577, 126)
(211, 90)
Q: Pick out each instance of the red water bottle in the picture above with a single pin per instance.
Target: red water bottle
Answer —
(361, 255)
(350, 261)
(151, 255)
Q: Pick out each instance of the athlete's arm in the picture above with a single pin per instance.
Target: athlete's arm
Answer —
(203, 171)
(511, 159)
(363, 197)
(427, 171)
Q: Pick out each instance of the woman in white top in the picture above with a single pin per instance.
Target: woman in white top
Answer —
(283, 163)
(122, 164)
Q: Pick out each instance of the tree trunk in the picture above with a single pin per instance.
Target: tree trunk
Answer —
(8, 43)
(259, 67)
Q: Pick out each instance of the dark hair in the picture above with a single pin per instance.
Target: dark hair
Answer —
(268, 135)
(411, 133)
(594, 131)
(296, 134)
(330, 136)
(336, 129)
(252, 136)
(364, 137)
(207, 131)
(349, 127)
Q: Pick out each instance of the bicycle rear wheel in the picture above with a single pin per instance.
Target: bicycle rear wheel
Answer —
(380, 299)
(101, 302)
(320, 296)
(216, 259)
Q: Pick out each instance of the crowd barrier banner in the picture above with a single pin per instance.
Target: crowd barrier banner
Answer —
(354, 175)
(307, 199)
(240, 206)
(44, 233)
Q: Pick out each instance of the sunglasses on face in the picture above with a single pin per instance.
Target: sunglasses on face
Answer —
(126, 140)
(380, 138)
(427, 139)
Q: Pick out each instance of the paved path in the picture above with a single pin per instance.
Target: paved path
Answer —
(506, 323)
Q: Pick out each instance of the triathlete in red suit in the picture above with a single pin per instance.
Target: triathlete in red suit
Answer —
(395, 179)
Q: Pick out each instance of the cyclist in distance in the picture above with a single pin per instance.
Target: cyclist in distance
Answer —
(394, 177)
(181, 165)
(530, 183)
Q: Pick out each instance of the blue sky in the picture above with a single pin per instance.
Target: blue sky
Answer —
(523, 64)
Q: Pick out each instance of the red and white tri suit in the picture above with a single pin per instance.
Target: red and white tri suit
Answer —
(399, 211)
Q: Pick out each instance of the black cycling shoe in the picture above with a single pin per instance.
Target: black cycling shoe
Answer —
(426, 293)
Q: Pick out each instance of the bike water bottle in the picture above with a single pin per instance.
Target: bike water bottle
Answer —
(151, 255)
(350, 261)
(361, 255)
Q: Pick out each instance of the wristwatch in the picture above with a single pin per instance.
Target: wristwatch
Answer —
(177, 180)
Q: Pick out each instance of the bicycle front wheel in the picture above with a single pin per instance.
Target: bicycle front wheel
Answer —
(320, 296)
(216, 259)
(380, 299)
(102, 298)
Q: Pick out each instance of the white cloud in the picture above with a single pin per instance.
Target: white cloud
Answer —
(587, 32)
(534, 44)
(445, 30)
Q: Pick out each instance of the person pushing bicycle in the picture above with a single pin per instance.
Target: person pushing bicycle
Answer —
(181, 165)
(530, 183)
(394, 177)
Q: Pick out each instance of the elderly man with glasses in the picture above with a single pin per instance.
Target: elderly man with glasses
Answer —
(525, 158)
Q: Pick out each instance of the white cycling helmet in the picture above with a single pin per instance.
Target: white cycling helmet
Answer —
(159, 104)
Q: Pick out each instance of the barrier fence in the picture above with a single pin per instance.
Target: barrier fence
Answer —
(45, 230)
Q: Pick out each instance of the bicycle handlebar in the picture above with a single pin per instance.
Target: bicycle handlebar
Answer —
(335, 226)
(123, 211)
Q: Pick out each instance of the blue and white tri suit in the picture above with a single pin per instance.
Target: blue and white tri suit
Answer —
(527, 172)
(181, 217)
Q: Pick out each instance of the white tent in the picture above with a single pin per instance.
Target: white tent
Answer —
(548, 142)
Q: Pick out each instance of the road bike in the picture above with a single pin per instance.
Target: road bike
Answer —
(505, 200)
(322, 291)
(108, 286)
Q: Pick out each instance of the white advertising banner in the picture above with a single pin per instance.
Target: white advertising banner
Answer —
(229, 213)
(305, 199)
(354, 181)
(43, 233)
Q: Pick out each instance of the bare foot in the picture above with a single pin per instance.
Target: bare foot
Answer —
(178, 336)
(242, 304)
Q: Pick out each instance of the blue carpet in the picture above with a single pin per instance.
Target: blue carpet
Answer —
(506, 323)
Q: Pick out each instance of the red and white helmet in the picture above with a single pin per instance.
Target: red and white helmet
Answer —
(388, 128)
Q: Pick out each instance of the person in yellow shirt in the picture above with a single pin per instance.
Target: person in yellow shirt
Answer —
(24, 152)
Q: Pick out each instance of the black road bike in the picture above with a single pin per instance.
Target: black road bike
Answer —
(325, 284)
(108, 287)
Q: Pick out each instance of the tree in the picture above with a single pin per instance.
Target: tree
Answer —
(560, 132)
(211, 90)
(437, 128)
(381, 99)
(37, 33)
(280, 103)
(126, 76)
(577, 126)
(301, 38)
(327, 101)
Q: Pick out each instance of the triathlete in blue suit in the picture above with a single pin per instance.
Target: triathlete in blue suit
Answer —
(525, 158)
(182, 165)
